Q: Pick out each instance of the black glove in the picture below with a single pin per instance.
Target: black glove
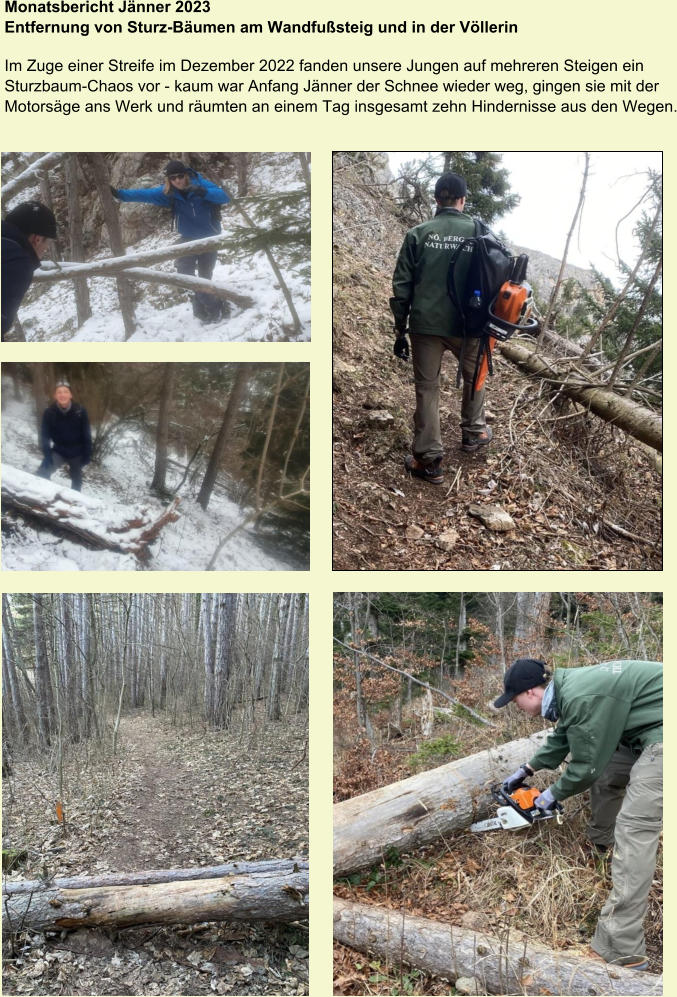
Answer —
(515, 780)
(198, 190)
(401, 346)
(114, 192)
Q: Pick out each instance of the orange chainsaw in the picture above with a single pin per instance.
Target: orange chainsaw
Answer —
(518, 811)
(510, 310)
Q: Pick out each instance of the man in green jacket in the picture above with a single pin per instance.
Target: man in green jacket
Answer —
(610, 723)
(420, 297)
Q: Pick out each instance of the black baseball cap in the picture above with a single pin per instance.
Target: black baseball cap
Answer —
(523, 674)
(450, 186)
(175, 168)
(33, 218)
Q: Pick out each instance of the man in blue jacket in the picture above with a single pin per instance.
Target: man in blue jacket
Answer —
(25, 234)
(194, 203)
(65, 436)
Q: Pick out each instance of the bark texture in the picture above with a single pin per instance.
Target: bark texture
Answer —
(120, 528)
(500, 965)
(636, 420)
(279, 893)
(416, 811)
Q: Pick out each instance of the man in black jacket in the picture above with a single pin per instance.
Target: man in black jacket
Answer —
(65, 436)
(25, 234)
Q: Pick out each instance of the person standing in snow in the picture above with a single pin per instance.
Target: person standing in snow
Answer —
(194, 202)
(65, 436)
(25, 233)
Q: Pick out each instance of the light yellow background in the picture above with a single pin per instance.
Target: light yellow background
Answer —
(582, 30)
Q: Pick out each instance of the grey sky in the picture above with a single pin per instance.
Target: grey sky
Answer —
(549, 185)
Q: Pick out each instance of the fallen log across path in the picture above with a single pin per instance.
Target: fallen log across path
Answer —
(501, 966)
(415, 811)
(124, 528)
(633, 418)
(269, 891)
(67, 270)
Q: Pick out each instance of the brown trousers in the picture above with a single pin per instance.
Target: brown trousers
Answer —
(427, 353)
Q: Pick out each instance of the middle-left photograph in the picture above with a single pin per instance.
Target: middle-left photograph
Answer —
(147, 466)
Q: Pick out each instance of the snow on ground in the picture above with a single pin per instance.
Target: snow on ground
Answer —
(120, 479)
(48, 313)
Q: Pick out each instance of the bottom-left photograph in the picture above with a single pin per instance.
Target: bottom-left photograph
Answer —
(155, 793)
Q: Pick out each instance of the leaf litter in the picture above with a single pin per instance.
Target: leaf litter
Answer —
(175, 795)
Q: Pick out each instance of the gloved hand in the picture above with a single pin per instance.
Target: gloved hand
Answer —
(515, 780)
(546, 801)
(401, 345)
(114, 192)
(198, 190)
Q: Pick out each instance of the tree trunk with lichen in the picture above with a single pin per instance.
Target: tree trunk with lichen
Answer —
(415, 811)
(269, 891)
(499, 965)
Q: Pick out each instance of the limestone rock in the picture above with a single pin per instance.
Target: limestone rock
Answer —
(493, 517)
(447, 541)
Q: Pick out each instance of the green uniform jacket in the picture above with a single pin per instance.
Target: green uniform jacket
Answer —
(420, 277)
(600, 707)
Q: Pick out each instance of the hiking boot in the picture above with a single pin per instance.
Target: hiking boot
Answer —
(640, 963)
(471, 442)
(432, 472)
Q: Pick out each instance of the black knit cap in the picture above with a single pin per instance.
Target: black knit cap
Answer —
(450, 186)
(175, 166)
(33, 218)
(523, 674)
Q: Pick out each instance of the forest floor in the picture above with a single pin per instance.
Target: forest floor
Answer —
(173, 796)
(567, 478)
(541, 883)
(123, 476)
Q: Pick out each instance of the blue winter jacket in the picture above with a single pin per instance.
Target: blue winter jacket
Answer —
(193, 208)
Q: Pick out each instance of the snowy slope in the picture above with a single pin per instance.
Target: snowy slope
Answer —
(123, 477)
(165, 314)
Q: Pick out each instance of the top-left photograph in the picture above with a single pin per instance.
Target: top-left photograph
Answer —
(156, 247)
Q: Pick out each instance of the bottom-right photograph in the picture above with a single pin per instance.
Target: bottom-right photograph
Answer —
(498, 793)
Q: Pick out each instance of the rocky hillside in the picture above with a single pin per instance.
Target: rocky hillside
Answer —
(578, 493)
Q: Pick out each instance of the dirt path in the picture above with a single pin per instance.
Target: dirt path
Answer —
(175, 795)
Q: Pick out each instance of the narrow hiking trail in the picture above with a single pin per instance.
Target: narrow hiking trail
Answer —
(580, 493)
(174, 795)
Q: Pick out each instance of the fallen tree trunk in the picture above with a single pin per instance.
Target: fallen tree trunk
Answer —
(153, 876)
(66, 270)
(500, 966)
(31, 175)
(262, 892)
(121, 528)
(185, 280)
(634, 419)
(417, 810)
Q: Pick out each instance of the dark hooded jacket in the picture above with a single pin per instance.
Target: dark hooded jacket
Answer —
(67, 433)
(19, 263)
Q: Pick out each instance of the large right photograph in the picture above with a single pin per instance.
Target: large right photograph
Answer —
(498, 793)
(497, 322)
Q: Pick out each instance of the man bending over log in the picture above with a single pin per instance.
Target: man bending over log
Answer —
(65, 436)
(610, 722)
(195, 205)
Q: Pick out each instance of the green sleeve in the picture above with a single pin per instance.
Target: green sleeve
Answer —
(553, 752)
(593, 737)
(403, 284)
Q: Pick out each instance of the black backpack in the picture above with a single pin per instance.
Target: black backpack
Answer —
(491, 265)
